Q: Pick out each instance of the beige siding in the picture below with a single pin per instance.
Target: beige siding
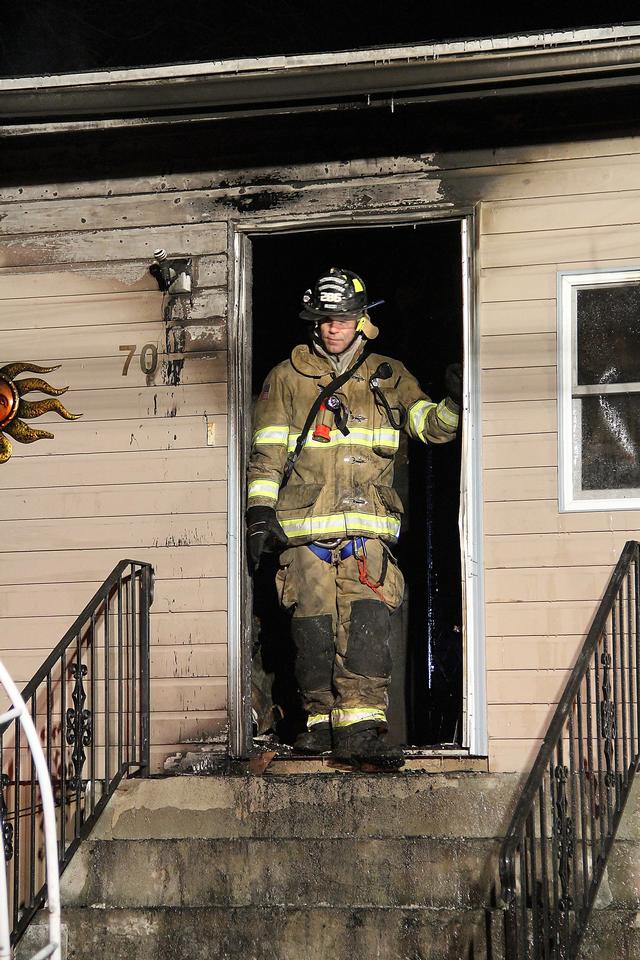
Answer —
(545, 571)
(136, 476)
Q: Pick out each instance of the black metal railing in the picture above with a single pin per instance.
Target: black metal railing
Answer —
(89, 702)
(564, 825)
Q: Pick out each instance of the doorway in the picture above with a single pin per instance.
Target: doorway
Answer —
(425, 272)
(419, 271)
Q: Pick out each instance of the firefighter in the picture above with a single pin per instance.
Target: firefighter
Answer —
(320, 489)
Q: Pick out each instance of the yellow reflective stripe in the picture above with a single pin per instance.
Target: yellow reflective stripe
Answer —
(348, 716)
(358, 436)
(276, 434)
(316, 718)
(448, 417)
(263, 488)
(417, 416)
(341, 523)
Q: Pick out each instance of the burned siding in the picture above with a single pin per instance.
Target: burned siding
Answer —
(144, 475)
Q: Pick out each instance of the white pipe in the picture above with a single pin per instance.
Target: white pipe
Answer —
(50, 841)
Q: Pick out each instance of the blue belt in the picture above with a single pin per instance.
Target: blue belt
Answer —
(356, 543)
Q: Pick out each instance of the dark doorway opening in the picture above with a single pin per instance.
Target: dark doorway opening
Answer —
(417, 270)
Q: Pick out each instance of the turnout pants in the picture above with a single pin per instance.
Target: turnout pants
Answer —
(340, 627)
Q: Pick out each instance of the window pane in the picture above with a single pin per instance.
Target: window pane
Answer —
(608, 332)
(611, 442)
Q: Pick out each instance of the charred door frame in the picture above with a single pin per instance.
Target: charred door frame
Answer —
(470, 517)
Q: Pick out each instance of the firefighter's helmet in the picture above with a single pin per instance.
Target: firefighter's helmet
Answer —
(338, 293)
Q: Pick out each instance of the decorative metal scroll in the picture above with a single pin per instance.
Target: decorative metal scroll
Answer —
(563, 830)
(14, 409)
(79, 727)
(607, 715)
(5, 826)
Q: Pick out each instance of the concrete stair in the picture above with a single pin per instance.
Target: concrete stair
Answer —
(314, 867)
(331, 866)
(613, 932)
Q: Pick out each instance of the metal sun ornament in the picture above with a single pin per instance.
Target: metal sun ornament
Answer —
(13, 406)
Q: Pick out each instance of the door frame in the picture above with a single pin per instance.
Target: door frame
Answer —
(475, 738)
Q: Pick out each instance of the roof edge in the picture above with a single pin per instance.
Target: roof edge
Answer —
(368, 55)
(154, 92)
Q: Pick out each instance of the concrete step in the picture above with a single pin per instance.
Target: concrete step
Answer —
(273, 933)
(612, 935)
(319, 805)
(402, 871)
(391, 867)
(620, 884)
(356, 867)
(315, 933)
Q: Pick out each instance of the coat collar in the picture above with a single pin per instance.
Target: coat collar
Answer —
(306, 361)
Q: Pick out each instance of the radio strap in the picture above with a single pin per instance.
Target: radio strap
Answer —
(311, 416)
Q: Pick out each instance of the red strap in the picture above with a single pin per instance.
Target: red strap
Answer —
(364, 577)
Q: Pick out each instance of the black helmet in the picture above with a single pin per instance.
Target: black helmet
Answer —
(337, 291)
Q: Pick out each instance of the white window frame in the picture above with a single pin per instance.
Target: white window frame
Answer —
(569, 395)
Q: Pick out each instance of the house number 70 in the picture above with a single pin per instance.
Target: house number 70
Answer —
(148, 357)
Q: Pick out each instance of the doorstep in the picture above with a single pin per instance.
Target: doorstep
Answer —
(424, 761)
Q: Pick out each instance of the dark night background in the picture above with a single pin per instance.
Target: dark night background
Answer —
(417, 270)
(57, 36)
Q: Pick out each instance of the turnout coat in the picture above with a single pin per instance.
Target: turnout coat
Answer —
(344, 487)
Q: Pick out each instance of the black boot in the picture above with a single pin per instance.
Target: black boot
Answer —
(365, 747)
(315, 740)
(313, 638)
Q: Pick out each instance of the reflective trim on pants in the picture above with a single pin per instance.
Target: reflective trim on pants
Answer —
(348, 716)
(317, 718)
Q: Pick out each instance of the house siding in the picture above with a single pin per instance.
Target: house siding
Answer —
(135, 477)
(545, 572)
(143, 474)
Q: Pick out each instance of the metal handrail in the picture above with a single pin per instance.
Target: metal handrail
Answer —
(564, 824)
(89, 702)
(99, 596)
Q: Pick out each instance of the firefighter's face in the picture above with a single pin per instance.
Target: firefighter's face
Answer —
(337, 334)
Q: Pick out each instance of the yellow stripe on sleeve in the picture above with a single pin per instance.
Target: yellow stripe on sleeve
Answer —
(263, 488)
(273, 435)
(417, 417)
(447, 416)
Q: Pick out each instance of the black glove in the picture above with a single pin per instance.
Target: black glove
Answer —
(263, 532)
(453, 381)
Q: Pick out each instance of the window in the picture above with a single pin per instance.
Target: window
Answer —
(599, 390)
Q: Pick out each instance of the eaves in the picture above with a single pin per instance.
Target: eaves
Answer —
(348, 80)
